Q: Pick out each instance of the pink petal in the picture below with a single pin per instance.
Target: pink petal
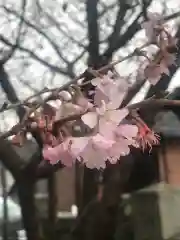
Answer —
(107, 129)
(128, 131)
(164, 69)
(90, 119)
(101, 142)
(117, 116)
(67, 159)
(99, 96)
(118, 149)
(67, 109)
(96, 81)
(102, 109)
(52, 154)
(116, 101)
(78, 145)
(84, 103)
(94, 158)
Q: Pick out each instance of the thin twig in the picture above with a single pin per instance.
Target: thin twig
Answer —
(66, 85)
(150, 103)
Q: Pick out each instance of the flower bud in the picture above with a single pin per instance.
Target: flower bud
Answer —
(66, 96)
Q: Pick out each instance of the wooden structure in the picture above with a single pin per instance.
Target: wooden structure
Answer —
(168, 125)
(158, 217)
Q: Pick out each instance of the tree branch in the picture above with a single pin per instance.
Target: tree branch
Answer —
(45, 169)
(164, 82)
(123, 39)
(114, 37)
(14, 46)
(130, 32)
(93, 31)
(58, 25)
(10, 91)
(9, 157)
(52, 67)
(39, 31)
(132, 92)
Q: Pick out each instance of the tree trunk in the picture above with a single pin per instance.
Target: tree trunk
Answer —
(89, 187)
(5, 206)
(28, 209)
(52, 207)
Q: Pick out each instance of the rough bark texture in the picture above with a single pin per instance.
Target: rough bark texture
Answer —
(52, 206)
(25, 188)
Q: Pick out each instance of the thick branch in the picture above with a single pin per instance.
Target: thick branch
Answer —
(9, 157)
(45, 169)
(10, 91)
(125, 38)
(26, 189)
(114, 37)
(93, 31)
(132, 92)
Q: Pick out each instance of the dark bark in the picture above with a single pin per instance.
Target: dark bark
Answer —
(99, 218)
(119, 23)
(9, 157)
(9, 90)
(93, 31)
(125, 38)
(89, 187)
(26, 187)
(52, 206)
(5, 206)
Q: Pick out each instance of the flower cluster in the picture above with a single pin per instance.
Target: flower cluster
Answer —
(97, 130)
(158, 35)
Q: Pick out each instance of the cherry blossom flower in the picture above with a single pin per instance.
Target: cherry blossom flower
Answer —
(95, 153)
(104, 83)
(100, 96)
(118, 149)
(65, 95)
(153, 26)
(107, 129)
(113, 94)
(127, 131)
(100, 130)
(146, 137)
(104, 87)
(84, 103)
(153, 71)
(124, 136)
(61, 152)
(104, 114)
(67, 109)
(109, 90)
(167, 60)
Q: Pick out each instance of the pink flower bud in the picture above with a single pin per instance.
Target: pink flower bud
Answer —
(66, 96)
(34, 125)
